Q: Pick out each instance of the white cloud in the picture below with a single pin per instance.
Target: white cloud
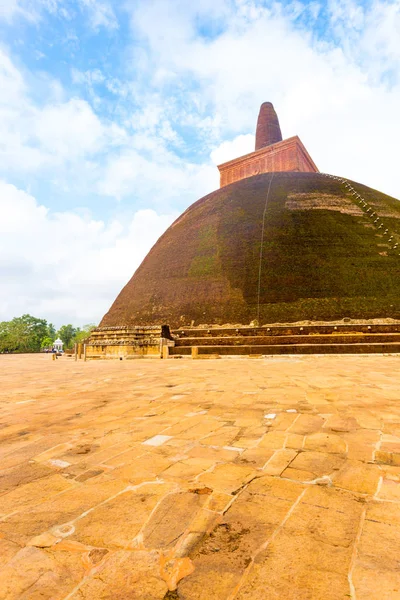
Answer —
(101, 14)
(242, 144)
(9, 9)
(161, 179)
(68, 130)
(66, 142)
(63, 266)
(34, 136)
(343, 105)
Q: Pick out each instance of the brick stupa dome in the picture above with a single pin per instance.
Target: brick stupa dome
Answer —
(279, 246)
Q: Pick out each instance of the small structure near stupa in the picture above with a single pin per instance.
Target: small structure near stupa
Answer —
(58, 345)
(128, 341)
(279, 242)
(271, 155)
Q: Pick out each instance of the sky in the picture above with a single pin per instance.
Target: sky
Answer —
(114, 115)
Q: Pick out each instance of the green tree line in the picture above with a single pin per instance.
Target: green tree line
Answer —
(30, 334)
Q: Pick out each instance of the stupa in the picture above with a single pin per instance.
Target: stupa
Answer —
(271, 154)
(278, 242)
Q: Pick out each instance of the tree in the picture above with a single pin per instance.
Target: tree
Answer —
(51, 331)
(82, 334)
(22, 334)
(67, 333)
(47, 342)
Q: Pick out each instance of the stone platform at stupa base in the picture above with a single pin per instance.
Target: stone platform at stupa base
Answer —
(127, 342)
(200, 480)
(157, 341)
(366, 337)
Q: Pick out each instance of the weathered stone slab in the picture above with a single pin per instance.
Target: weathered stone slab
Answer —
(187, 469)
(308, 559)
(358, 477)
(390, 490)
(35, 574)
(370, 584)
(115, 523)
(126, 574)
(224, 554)
(322, 442)
(279, 462)
(171, 519)
(58, 510)
(337, 423)
(256, 457)
(227, 478)
(32, 493)
(306, 424)
(22, 474)
(275, 440)
(317, 463)
(60, 541)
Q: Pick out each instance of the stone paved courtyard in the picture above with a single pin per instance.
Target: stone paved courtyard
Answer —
(200, 479)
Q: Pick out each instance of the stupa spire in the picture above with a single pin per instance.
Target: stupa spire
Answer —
(268, 130)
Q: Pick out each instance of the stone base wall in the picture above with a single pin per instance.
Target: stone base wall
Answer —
(289, 155)
(128, 342)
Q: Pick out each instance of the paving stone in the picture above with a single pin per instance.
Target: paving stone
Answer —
(157, 440)
(379, 547)
(279, 461)
(388, 457)
(317, 463)
(58, 510)
(227, 478)
(331, 527)
(134, 575)
(215, 454)
(278, 573)
(218, 501)
(298, 475)
(309, 557)
(390, 490)
(149, 462)
(370, 584)
(115, 523)
(171, 518)
(204, 521)
(256, 457)
(34, 574)
(323, 442)
(333, 498)
(123, 458)
(294, 441)
(224, 554)
(224, 437)
(187, 469)
(22, 474)
(283, 421)
(306, 424)
(275, 440)
(358, 477)
(275, 487)
(339, 424)
(298, 517)
(32, 493)
(8, 549)
(56, 451)
(383, 512)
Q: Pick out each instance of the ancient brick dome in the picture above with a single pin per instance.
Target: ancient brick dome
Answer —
(276, 247)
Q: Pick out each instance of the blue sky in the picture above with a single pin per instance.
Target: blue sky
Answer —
(113, 116)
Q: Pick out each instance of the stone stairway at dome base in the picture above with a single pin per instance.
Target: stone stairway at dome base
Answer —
(349, 338)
